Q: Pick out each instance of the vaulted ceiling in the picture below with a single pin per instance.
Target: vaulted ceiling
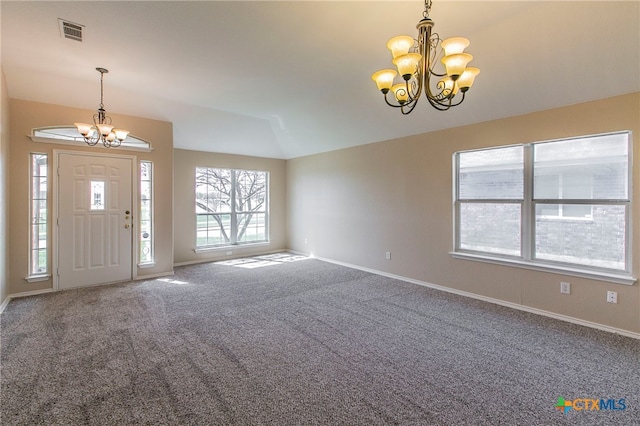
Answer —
(286, 79)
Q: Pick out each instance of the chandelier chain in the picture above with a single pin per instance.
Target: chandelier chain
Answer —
(101, 89)
(427, 9)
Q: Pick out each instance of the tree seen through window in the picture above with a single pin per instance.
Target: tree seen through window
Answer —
(231, 206)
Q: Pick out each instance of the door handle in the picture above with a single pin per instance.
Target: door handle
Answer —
(126, 225)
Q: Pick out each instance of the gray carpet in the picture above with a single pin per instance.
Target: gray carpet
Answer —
(283, 342)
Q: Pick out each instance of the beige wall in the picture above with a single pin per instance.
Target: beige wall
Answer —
(4, 188)
(185, 225)
(355, 204)
(351, 205)
(27, 115)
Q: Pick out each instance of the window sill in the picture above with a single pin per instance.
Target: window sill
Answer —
(37, 278)
(618, 278)
(565, 219)
(230, 247)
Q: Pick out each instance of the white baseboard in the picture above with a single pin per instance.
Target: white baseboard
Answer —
(50, 290)
(23, 294)
(229, 257)
(153, 276)
(4, 304)
(512, 305)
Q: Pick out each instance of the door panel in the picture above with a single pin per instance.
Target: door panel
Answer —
(95, 239)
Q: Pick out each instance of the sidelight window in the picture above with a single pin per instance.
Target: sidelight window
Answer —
(146, 254)
(39, 230)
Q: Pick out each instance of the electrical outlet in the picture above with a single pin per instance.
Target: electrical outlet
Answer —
(612, 297)
(306, 241)
(387, 255)
(565, 287)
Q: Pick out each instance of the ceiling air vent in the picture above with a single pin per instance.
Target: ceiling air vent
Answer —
(70, 30)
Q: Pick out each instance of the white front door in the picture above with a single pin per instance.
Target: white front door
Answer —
(94, 219)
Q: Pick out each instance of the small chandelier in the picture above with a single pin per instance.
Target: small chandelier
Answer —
(416, 61)
(101, 130)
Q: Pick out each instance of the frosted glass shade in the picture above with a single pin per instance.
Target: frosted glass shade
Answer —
(400, 45)
(456, 63)
(105, 129)
(120, 134)
(454, 45)
(83, 128)
(407, 64)
(465, 81)
(384, 79)
(448, 86)
(401, 93)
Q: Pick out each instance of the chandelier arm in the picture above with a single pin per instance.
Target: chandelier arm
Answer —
(407, 108)
(414, 90)
(437, 97)
(460, 101)
(101, 117)
(427, 44)
(431, 42)
(437, 74)
(399, 105)
(389, 103)
(443, 106)
(441, 101)
(91, 141)
(439, 105)
(414, 95)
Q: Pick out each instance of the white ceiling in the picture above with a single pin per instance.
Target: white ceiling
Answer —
(286, 79)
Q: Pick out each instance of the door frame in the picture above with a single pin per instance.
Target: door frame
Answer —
(134, 208)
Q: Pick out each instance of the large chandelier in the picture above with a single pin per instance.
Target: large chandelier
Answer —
(416, 62)
(101, 130)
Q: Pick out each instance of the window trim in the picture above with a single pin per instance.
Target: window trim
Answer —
(544, 267)
(152, 262)
(527, 259)
(38, 276)
(233, 227)
(205, 249)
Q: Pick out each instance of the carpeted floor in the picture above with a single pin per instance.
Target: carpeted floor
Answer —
(287, 341)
